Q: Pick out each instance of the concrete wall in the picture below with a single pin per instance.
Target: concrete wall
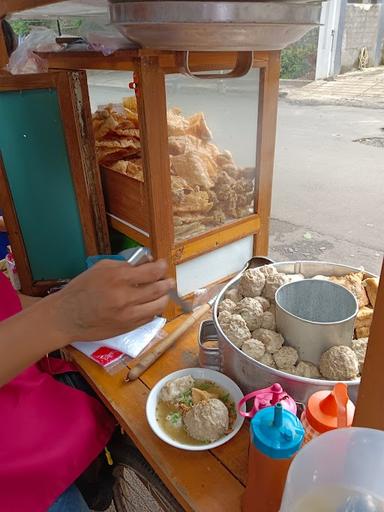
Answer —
(362, 26)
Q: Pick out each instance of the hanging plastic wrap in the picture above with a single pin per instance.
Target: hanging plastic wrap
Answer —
(24, 60)
(103, 37)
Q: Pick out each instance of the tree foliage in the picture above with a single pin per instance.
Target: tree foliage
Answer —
(68, 25)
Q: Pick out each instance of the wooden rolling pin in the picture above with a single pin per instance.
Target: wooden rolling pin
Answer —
(153, 354)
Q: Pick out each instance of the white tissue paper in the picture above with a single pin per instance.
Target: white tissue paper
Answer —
(106, 352)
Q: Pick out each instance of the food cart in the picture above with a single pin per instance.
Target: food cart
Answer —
(178, 205)
(143, 209)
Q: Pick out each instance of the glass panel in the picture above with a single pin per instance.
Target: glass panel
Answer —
(212, 128)
(115, 122)
(213, 266)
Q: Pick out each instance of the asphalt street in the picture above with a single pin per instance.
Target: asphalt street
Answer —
(328, 191)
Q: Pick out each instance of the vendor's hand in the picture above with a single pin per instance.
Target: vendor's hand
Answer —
(109, 299)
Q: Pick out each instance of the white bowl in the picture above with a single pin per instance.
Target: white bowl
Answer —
(197, 373)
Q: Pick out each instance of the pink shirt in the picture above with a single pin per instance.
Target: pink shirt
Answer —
(49, 432)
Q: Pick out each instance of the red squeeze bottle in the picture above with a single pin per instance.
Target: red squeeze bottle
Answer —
(276, 436)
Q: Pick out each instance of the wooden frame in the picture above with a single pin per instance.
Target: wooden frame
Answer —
(3, 50)
(142, 209)
(370, 400)
(265, 152)
(76, 118)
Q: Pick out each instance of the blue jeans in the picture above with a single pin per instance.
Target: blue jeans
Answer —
(70, 501)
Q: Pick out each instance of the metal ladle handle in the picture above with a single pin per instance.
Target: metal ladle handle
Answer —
(244, 61)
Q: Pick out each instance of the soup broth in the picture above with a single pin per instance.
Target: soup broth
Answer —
(169, 415)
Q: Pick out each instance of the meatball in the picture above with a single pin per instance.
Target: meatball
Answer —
(360, 348)
(289, 369)
(227, 305)
(254, 348)
(236, 330)
(224, 317)
(252, 283)
(174, 388)
(233, 294)
(339, 363)
(268, 360)
(268, 270)
(272, 284)
(268, 321)
(264, 303)
(252, 312)
(207, 420)
(272, 340)
(285, 357)
(307, 369)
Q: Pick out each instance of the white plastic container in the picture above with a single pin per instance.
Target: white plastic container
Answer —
(340, 470)
(12, 272)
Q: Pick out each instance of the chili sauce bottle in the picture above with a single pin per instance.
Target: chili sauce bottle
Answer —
(276, 436)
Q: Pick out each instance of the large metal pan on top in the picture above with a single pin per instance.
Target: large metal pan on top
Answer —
(215, 25)
(249, 373)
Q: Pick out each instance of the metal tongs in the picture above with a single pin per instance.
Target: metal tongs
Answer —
(143, 255)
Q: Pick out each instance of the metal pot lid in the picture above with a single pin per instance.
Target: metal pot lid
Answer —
(209, 25)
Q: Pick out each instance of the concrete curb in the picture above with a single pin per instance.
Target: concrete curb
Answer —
(341, 102)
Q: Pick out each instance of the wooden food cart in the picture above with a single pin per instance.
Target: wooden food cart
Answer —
(143, 211)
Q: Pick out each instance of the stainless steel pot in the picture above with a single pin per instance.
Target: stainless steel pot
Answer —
(248, 373)
(313, 315)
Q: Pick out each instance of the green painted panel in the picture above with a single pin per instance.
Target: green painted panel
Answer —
(36, 162)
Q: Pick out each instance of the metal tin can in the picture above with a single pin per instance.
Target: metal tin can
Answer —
(209, 353)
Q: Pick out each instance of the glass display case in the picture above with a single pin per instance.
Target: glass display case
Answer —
(186, 161)
(212, 133)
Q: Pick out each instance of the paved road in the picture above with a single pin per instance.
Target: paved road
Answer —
(328, 192)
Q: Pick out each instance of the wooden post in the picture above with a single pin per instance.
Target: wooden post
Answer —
(370, 401)
(77, 122)
(14, 233)
(266, 134)
(3, 50)
(152, 109)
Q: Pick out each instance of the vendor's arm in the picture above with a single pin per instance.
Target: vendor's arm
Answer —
(109, 299)
(27, 300)
(2, 224)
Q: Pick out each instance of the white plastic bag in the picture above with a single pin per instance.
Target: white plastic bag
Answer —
(134, 342)
(23, 60)
(130, 343)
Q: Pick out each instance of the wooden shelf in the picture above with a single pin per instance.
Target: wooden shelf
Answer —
(126, 229)
(126, 60)
(214, 238)
(126, 198)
